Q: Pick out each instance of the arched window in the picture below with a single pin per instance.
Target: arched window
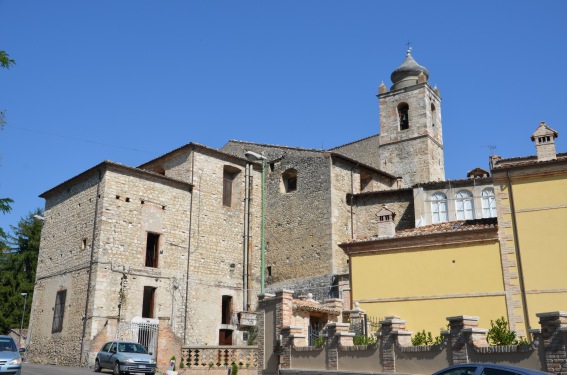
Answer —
(488, 203)
(464, 205)
(439, 208)
(403, 114)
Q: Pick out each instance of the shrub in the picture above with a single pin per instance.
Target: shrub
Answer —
(173, 359)
(364, 340)
(319, 341)
(234, 369)
(500, 334)
(426, 338)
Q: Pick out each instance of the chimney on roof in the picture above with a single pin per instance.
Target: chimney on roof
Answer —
(544, 137)
(386, 225)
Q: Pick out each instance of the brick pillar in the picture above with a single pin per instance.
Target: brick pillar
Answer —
(287, 336)
(284, 312)
(336, 304)
(554, 335)
(392, 328)
(337, 335)
(460, 330)
(356, 316)
(168, 344)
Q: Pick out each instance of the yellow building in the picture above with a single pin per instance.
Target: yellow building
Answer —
(515, 268)
(531, 196)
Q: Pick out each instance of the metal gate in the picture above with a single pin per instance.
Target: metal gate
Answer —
(145, 332)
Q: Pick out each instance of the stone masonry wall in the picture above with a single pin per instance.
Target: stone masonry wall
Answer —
(366, 206)
(216, 263)
(365, 150)
(63, 264)
(416, 154)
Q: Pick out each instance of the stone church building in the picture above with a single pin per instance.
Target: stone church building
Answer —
(175, 242)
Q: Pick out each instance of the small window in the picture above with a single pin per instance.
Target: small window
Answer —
(439, 208)
(403, 114)
(84, 244)
(152, 250)
(148, 302)
(464, 205)
(59, 311)
(226, 310)
(229, 175)
(289, 181)
(488, 203)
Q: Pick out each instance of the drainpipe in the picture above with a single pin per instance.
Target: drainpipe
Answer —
(518, 255)
(90, 269)
(189, 247)
(246, 234)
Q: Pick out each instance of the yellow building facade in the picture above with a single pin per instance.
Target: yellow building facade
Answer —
(513, 266)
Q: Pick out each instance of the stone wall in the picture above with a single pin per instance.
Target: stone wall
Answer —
(416, 153)
(365, 150)
(63, 264)
(200, 250)
(367, 205)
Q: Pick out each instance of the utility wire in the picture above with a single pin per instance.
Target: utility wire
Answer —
(80, 139)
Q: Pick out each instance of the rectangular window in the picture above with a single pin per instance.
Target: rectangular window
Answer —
(226, 309)
(59, 311)
(227, 189)
(149, 301)
(228, 178)
(152, 250)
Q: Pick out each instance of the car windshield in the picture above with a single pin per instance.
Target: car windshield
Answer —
(127, 347)
(7, 345)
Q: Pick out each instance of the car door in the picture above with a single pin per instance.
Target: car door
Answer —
(110, 358)
(103, 355)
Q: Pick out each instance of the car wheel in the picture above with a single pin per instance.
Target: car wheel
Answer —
(97, 367)
(116, 370)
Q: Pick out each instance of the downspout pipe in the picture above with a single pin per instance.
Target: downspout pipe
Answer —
(189, 247)
(246, 235)
(518, 254)
(87, 300)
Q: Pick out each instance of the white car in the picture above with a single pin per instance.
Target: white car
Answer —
(10, 360)
(125, 358)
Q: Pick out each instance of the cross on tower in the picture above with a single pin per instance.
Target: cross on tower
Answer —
(409, 45)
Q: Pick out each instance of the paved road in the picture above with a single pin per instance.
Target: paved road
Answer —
(32, 369)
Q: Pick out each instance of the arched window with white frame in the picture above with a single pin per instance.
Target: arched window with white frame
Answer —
(439, 208)
(464, 205)
(488, 203)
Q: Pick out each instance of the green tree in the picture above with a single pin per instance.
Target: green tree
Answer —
(4, 208)
(18, 262)
(5, 62)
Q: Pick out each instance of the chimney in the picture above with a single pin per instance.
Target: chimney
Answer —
(544, 137)
(386, 225)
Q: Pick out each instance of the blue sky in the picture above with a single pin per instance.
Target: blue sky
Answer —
(130, 80)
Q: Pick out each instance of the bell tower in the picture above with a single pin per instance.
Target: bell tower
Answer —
(411, 133)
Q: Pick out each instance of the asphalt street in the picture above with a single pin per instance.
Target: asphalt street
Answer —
(32, 369)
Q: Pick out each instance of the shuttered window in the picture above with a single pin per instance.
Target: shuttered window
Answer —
(59, 311)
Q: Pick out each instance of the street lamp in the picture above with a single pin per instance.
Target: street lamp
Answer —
(255, 156)
(25, 295)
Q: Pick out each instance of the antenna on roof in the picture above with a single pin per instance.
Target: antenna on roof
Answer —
(491, 148)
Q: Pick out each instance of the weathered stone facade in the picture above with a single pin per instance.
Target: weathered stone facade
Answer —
(199, 257)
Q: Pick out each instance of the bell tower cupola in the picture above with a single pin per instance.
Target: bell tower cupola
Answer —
(411, 137)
